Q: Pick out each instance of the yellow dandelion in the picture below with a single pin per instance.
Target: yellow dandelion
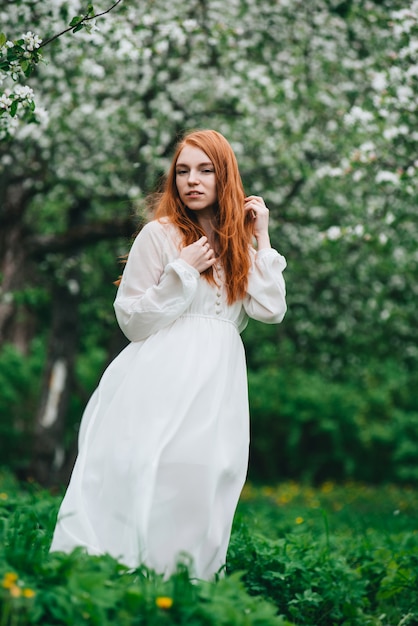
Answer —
(9, 580)
(15, 591)
(3, 496)
(164, 602)
(267, 491)
(314, 503)
(299, 520)
(28, 593)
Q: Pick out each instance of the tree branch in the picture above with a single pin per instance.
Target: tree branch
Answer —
(80, 236)
(86, 18)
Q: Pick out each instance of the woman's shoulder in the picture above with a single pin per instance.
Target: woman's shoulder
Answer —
(155, 227)
(160, 229)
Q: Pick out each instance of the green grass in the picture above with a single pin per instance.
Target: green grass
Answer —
(332, 555)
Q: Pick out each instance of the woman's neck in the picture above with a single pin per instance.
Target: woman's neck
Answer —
(206, 221)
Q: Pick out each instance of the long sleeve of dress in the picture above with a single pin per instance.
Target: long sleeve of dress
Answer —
(152, 293)
(266, 292)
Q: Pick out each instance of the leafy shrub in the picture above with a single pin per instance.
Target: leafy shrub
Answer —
(330, 555)
(20, 385)
(312, 429)
(305, 579)
(303, 427)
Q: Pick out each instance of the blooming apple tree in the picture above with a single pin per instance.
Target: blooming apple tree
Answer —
(318, 106)
(20, 57)
(372, 183)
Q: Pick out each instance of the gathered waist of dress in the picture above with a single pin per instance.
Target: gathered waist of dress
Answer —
(214, 318)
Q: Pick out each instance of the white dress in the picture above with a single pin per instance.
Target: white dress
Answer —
(163, 443)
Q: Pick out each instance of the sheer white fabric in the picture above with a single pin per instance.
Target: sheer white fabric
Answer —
(163, 443)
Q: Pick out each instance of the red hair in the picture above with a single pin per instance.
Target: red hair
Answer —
(233, 229)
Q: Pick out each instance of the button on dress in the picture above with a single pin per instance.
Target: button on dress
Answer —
(163, 442)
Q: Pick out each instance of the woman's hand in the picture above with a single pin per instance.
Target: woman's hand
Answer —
(256, 208)
(199, 254)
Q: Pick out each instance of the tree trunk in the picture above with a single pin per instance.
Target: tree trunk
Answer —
(20, 253)
(16, 320)
(51, 461)
(48, 453)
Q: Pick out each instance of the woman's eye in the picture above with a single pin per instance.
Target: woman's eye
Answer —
(207, 171)
(179, 172)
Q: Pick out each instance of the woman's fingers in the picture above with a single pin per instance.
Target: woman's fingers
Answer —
(255, 204)
(199, 254)
(257, 208)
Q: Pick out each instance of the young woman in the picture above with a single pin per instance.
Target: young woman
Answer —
(163, 444)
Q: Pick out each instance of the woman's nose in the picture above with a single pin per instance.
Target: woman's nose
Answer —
(193, 177)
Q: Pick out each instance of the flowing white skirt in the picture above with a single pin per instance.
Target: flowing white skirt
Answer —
(163, 451)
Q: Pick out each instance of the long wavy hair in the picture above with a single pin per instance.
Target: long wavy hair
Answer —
(233, 228)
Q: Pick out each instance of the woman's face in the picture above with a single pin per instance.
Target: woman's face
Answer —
(196, 180)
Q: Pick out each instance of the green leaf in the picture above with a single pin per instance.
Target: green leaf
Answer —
(13, 108)
(3, 39)
(76, 20)
(90, 9)
(78, 27)
(24, 64)
(12, 54)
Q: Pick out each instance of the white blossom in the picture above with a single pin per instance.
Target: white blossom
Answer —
(333, 233)
(5, 101)
(357, 114)
(412, 72)
(31, 41)
(15, 69)
(379, 81)
(190, 25)
(385, 176)
(411, 50)
(148, 19)
(405, 94)
(327, 170)
(24, 92)
(367, 147)
(392, 132)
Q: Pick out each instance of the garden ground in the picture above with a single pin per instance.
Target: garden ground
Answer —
(326, 555)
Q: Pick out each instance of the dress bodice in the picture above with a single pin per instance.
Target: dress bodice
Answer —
(158, 287)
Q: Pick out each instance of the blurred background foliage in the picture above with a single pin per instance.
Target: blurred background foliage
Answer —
(319, 102)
